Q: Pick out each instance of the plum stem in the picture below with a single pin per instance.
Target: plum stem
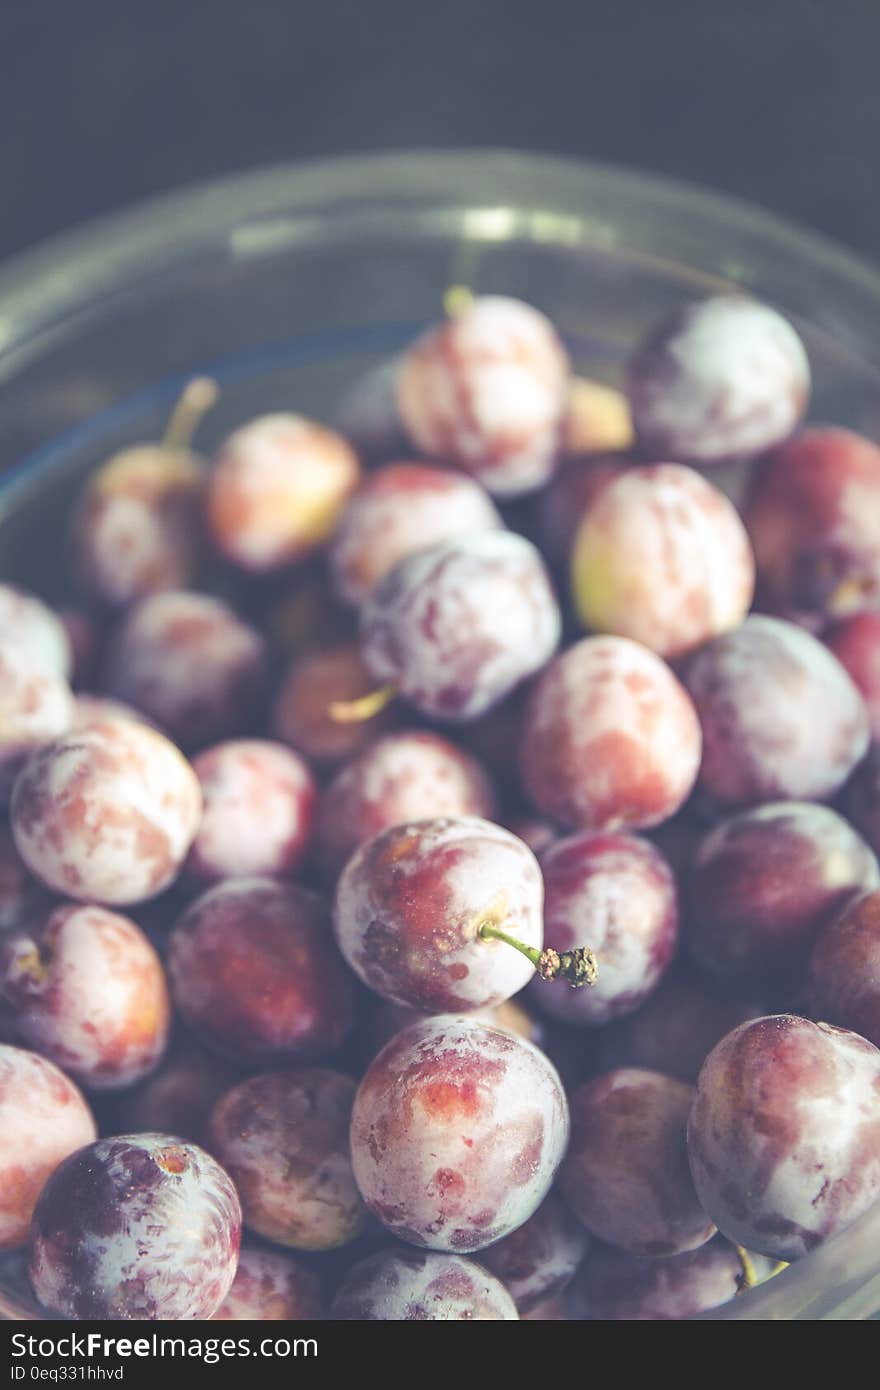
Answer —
(456, 300)
(749, 1278)
(195, 400)
(358, 711)
(577, 967)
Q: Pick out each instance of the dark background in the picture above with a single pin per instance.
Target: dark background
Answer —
(103, 102)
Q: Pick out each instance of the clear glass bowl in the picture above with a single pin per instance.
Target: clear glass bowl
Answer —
(286, 284)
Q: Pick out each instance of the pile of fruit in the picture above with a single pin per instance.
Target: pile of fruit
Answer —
(443, 846)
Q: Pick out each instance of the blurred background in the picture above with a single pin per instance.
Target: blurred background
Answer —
(104, 102)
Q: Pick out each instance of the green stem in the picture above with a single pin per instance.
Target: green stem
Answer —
(577, 967)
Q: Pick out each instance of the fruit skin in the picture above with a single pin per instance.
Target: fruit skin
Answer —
(488, 391)
(764, 884)
(812, 511)
(138, 528)
(615, 894)
(136, 1226)
(563, 505)
(35, 629)
(412, 1286)
(190, 664)
(626, 1174)
(397, 510)
(621, 1287)
(107, 814)
(844, 974)
(88, 990)
(661, 556)
(720, 378)
(781, 718)
(410, 903)
(411, 775)
(43, 1118)
(277, 489)
(36, 706)
(283, 1139)
(456, 627)
(540, 1258)
(784, 1134)
(457, 1131)
(271, 1287)
(855, 641)
(256, 976)
(610, 738)
(301, 715)
(259, 805)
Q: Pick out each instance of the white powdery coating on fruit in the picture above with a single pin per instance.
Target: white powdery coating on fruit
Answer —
(785, 1153)
(277, 488)
(43, 1118)
(489, 875)
(611, 738)
(405, 776)
(269, 1287)
(729, 377)
(107, 814)
(458, 626)
(283, 1138)
(258, 799)
(36, 705)
(539, 1260)
(35, 629)
(781, 718)
(457, 1132)
(488, 391)
(188, 662)
(615, 894)
(627, 1287)
(662, 557)
(102, 1012)
(402, 508)
(409, 1287)
(182, 1230)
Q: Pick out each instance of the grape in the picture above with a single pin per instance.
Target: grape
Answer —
(404, 776)
(781, 719)
(314, 681)
(783, 1137)
(179, 1096)
(627, 1288)
(107, 813)
(43, 1118)
(255, 974)
(617, 893)
(811, 512)
(845, 969)
(861, 798)
(765, 882)
(540, 1258)
(456, 1133)
(22, 897)
(855, 641)
(385, 1020)
(626, 1172)
(270, 1287)
(413, 1286)
(396, 511)
(190, 664)
(35, 630)
(283, 1139)
(454, 628)
(89, 992)
(259, 800)
(487, 390)
(610, 738)
(720, 378)
(137, 1226)
(662, 557)
(277, 489)
(410, 904)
